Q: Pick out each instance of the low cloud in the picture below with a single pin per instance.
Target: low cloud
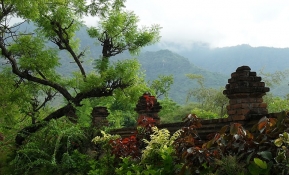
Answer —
(219, 23)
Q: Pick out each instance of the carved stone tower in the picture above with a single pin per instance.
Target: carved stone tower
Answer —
(148, 106)
(245, 91)
(99, 115)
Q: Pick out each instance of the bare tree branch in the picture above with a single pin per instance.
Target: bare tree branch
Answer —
(63, 43)
(29, 77)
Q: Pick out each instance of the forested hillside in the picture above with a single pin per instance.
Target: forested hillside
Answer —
(225, 60)
(216, 65)
(168, 63)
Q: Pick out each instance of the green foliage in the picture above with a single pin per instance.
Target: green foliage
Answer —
(254, 152)
(209, 99)
(283, 139)
(47, 142)
(59, 145)
(11, 99)
(162, 85)
(273, 79)
(120, 155)
(101, 8)
(157, 157)
(104, 140)
(282, 157)
(126, 70)
(159, 141)
(229, 165)
(199, 78)
(75, 162)
(84, 113)
(34, 55)
(52, 150)
(128, 167)
(120, 30)
(105, 164)
(122, 103)
(171, 112)
(258, 167)
(204, 114)
(276, 104)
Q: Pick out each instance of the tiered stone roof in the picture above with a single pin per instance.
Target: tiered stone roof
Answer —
(99, 115)
(148, 106)
(245, 91)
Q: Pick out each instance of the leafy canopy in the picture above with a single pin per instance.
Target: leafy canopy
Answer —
(34, 56)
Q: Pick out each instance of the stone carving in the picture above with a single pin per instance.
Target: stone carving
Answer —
(99, 115)
(245, 91)
(148, 106)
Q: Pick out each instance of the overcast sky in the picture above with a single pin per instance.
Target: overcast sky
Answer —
(217, 22)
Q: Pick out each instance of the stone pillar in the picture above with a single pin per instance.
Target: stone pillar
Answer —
(148, 106)
(99, 115)
(245, 91)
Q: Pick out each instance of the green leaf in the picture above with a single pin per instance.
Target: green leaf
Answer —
(249, 157)
(266, 155)
(280, 157)
(262, 164)
(278, 142)
(254, 169)
(210, 143)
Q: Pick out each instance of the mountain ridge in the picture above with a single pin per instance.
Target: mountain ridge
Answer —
(216, 65)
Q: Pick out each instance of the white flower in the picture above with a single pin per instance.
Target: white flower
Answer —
(190, 150)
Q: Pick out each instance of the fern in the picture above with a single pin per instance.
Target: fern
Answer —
(175, 136)
(105, 138)
(47, 149)
(160, 139)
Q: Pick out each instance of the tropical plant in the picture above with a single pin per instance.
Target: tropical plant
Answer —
(33, 56)
(209, 99)
(254, 150)
(158, 157)
(276, 104)
(53, 150)
(105, 159)
(162, 85)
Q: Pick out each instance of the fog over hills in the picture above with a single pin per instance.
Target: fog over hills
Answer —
(225, 60)
(215, 64)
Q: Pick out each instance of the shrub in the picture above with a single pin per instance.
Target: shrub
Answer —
(158, 157)
(256, 150)
(148, 151)
(204, 114)
(52, 150)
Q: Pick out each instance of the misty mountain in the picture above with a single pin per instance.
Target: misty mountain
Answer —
(225, 60)
(216, 65)
(165, 62)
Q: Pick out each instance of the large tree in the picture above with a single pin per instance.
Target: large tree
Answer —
(33, 59)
